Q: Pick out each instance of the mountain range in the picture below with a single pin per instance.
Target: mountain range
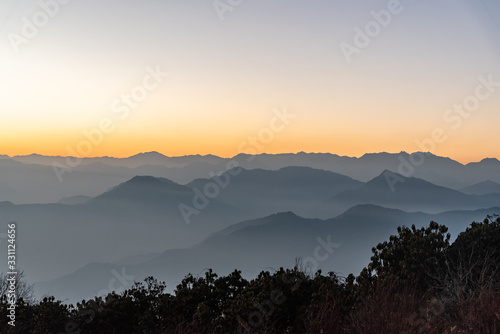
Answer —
(162, 216)
(46, 179)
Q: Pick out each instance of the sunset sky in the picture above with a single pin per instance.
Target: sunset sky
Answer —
(67, 68)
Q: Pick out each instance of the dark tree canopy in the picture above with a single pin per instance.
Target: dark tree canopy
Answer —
(412, 256)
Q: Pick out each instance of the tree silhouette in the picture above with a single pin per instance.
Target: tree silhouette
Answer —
(413, 256)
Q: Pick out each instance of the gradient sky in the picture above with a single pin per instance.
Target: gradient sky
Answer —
(227, 77)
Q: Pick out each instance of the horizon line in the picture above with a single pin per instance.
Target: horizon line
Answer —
(241, 153)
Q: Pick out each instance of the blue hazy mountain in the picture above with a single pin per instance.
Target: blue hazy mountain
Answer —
(138, 216)
(482, 188)
(35, 180)
(270, 191)
(411, 194)
(342, 244)
(127, 211)
(145, 208)
(79, 199)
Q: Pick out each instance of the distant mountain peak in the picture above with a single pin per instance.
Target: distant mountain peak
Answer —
(489, 182)
(490, 160)
(149, 154)
(286, 214)
(426, 153)
(387, 173)
(146, 179)
(32, 155)
(378, 154)
(297, 168)
(371, 209)
(144, 188)
(388, 177)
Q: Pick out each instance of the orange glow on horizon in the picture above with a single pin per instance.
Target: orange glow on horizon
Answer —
(131, 148)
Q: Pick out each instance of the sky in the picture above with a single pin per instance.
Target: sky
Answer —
(115, 78)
